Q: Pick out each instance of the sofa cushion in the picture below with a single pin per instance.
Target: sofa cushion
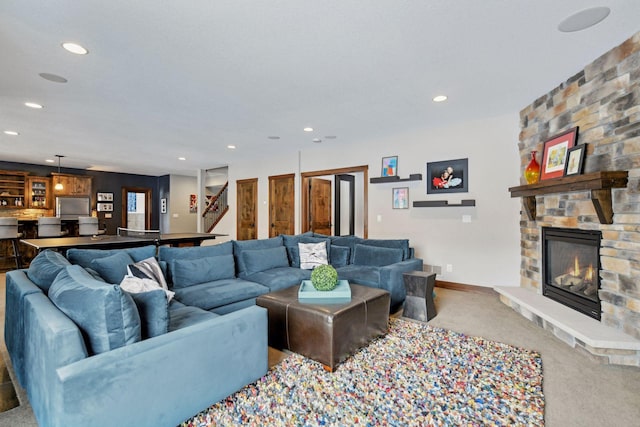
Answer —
(215, 294)
(339, 255)
(148, 269)
(84, 257)
(391, 243)
(188, 272)
(312, 255)
(241, 245)
(348, 241)
(112, 268)
(376, 256)
(257, 260)
(106, 315)
(181, 316)
(360, 274)
(167, 253)
(44, 268)
(280, 277)
(153, 309)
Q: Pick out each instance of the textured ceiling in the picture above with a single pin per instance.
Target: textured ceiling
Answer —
(165, 79)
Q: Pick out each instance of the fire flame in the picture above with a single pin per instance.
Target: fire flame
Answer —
(588, 274)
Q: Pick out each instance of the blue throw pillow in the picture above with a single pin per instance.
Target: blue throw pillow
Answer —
(84, 257)
(106, 315)
(44, 268)
(293, 252)
(112, 268)
(153, 309)
(265, 259)
(376, 256)
(339, 255)
(187, 272)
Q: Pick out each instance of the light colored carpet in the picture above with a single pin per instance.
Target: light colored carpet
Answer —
(577, 390)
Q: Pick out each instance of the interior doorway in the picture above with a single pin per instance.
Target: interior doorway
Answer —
(136, 208)
(344, 222)
(361, 208)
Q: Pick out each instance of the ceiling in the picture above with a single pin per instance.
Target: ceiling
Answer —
(169, 79)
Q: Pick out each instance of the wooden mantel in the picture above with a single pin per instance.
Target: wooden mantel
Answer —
(599, 183)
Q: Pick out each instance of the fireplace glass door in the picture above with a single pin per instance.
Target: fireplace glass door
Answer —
(571, 260)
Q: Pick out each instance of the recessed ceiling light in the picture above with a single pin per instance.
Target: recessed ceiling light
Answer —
(11, 132)
(53, 78)
(49, 160)
(308, 129)
(439, 98)
(75, 48)
(182, 158)
(316, 140)
(273, 137)
(33, 105)
(231, 147)
(584, 19)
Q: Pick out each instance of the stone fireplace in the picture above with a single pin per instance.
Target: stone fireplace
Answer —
(603, 101)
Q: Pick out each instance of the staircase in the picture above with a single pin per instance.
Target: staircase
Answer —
(216, 208)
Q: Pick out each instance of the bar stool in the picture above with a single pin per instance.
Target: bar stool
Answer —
(9, 231)
(88, 226)
(50, 227)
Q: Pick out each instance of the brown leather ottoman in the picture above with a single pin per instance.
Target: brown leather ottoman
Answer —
(326, 333)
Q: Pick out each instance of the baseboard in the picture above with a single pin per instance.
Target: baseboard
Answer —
(465, 288)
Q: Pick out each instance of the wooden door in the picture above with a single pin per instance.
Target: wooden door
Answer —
(281, 205)
(320, 206)
(246, 209)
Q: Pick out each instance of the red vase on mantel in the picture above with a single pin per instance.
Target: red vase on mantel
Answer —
(532, 171)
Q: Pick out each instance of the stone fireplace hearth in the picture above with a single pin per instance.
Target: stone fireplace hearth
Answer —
(603, 101)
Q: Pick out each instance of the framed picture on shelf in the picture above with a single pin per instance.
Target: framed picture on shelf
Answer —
(575, 160)
(449, 176)
(104, 207)
(389, 166)
(554, 156)
(401, 198)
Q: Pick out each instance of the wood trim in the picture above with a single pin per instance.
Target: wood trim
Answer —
(304, 193)
(465, 288)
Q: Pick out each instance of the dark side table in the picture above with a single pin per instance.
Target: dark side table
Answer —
(419, 302)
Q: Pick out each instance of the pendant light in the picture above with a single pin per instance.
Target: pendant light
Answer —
(59, 185)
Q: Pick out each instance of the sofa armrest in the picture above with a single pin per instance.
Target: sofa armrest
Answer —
(18, 286)
(166, 379)
(391, 279)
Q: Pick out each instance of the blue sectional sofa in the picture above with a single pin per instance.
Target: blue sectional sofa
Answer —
(89, 353)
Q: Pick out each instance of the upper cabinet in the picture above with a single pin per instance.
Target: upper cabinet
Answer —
(38, 192)
(12, 186)
(72, 185)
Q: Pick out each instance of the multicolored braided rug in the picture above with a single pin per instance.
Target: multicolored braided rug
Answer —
(416, 375)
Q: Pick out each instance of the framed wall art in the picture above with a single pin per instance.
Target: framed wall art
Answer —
(401, 198)
(105, 197)
(449, 176)
(389, 166)
(554, 157)
(575, 160)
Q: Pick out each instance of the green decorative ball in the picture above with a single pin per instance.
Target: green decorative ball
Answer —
(324, 278)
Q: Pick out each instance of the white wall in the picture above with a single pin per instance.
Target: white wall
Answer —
(180, 219)
(485, 252)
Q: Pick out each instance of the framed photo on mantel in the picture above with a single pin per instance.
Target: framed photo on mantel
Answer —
(554, 157)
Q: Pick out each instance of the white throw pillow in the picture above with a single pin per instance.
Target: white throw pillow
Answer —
(136, 285)
(312, 255)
